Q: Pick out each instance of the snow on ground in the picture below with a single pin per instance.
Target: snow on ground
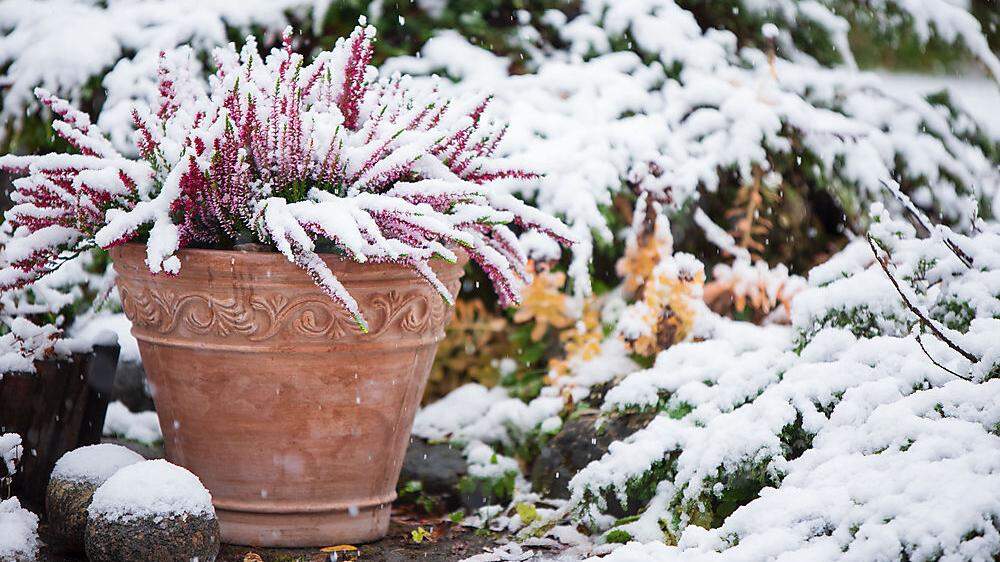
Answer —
(143, 427)
(18, 531)
(153, 488)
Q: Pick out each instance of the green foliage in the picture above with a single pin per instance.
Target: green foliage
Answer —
(886, 38)
(729, 490)
(640, 489)
(413, 492)
(860, 320)
(679, 410)
(532, 357)
(494, 490)
(620, 536)
(636, 493)
(954, 313)
(795, 440)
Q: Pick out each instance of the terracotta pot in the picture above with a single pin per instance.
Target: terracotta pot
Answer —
(266, 389)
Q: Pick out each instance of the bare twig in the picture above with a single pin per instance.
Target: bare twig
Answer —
(920, 342)
(926, 223)
(921, 315)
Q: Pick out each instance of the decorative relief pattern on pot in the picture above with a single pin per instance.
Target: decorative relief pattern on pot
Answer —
(262, 317)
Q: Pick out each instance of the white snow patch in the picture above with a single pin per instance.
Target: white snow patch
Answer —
(143, 427)
(18, 531)
(94, 463)
(154, 489)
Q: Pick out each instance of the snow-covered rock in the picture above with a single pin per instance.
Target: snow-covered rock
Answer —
(155, 511)
(94, 463)
(74, 480)
(151, 488)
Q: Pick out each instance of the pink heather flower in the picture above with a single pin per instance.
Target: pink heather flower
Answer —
(283, 152)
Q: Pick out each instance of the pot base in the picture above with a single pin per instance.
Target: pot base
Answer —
(295, 530)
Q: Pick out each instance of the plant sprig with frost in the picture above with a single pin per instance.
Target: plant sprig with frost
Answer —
(307, 158)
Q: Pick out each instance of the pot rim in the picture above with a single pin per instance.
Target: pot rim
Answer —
(275, 266)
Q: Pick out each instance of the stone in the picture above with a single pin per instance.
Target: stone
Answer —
(131, 388)
(66, 505)
(75, 478)
(438, 467)
(153, 539)
(152, 511)
(577, 444)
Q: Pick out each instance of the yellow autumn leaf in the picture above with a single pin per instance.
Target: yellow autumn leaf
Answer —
(339, 548)
(544, 303)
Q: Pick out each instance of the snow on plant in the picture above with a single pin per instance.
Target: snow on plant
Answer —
(54, 316)
(10, 457)
(612, 97)
(303, 157)
(941, 286)
(767, 290)
(670, 300)
(114, 45)
(761, 443)
(598, 118)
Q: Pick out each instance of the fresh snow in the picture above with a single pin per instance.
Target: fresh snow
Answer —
(10, 450)
(18, 531)
(868, 443)
(387, 170)
(91, 326)
(978, 95)
(143, 427)
(94, 464)
(154, 489)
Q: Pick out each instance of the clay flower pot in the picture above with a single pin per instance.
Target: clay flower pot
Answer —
(268, 391)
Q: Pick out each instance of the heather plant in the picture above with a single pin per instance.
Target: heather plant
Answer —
(38, 321)
(302, 157)
(748, 138)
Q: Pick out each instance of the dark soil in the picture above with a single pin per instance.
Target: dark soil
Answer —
(447, 543)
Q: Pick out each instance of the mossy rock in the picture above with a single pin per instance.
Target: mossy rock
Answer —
(578, 443)
(74, 479)
(66, 504)
(177, 538)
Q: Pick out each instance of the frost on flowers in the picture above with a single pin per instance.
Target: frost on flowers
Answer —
(307, 158)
